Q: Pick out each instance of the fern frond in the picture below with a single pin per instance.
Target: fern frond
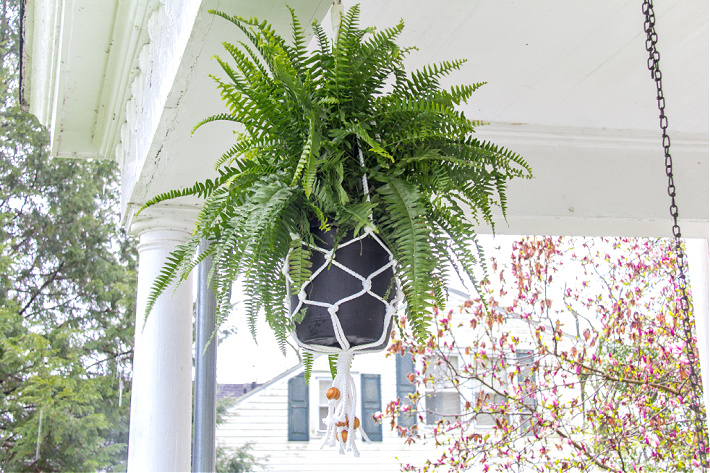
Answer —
(299, 265)
(308, 162)
(307, 365)
(245, 146)
(403, 223)
(263, 38)
(304, 160)
(358, 216)
(200, 189)
(461, 93)
(218, 117)
(361, 133)
(298, 52)
(333, 365)
(167, 275)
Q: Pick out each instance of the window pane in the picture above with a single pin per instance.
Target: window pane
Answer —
(443, 370)
(527, 380)
(322, 414)
(323, 386)
(490, 403)
(442, 405)
(405, 366)
(452, 405)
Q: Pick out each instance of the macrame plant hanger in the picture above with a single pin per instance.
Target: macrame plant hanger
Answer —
(342, 423)
(696, 406)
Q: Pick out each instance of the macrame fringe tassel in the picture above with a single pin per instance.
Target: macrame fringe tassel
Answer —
(342, 425)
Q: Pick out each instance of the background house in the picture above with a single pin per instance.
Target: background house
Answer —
(281, 419)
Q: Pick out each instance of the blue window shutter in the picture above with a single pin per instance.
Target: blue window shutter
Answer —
(405, 365)
(371, 403)
(297, 409)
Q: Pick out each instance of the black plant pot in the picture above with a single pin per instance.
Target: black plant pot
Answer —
(363, 318)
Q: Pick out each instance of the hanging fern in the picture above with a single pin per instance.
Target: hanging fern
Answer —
(303, 117)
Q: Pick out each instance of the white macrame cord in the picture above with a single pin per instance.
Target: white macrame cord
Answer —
(343, 408)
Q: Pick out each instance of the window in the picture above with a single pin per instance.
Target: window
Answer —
(323, 386)
(298, 409)
(370, 402)
(489, 403)
(442, 405)
(442, 401)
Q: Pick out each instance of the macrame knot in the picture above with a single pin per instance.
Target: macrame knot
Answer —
(367, 284)
(328, 255)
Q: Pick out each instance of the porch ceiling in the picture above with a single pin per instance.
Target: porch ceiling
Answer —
(567, 88)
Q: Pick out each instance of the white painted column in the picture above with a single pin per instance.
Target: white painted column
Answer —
(161, 396)
(698, 257)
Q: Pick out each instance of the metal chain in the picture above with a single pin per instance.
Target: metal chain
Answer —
(654, 58)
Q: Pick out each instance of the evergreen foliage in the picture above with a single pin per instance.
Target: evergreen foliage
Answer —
(67, 296)
(304, 118)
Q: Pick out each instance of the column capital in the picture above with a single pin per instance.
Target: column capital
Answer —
(162, 217)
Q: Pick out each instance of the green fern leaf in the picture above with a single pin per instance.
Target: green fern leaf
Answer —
(404, 226)
(299, 261)
(307, 365)
(333, 365)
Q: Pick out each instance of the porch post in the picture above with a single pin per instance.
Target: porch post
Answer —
(161, 396)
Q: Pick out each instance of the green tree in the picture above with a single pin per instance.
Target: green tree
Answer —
(67, 296)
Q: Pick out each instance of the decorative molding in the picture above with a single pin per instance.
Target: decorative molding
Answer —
(594, 226)
(40, 38)
(129, 37)
(525, 133)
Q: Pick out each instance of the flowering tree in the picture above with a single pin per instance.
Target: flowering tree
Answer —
(573, 360)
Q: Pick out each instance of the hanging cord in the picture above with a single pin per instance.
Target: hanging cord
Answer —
(654, 58)
(365, 186)
(341, 421)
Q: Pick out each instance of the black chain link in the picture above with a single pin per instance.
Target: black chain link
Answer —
(654, 58)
